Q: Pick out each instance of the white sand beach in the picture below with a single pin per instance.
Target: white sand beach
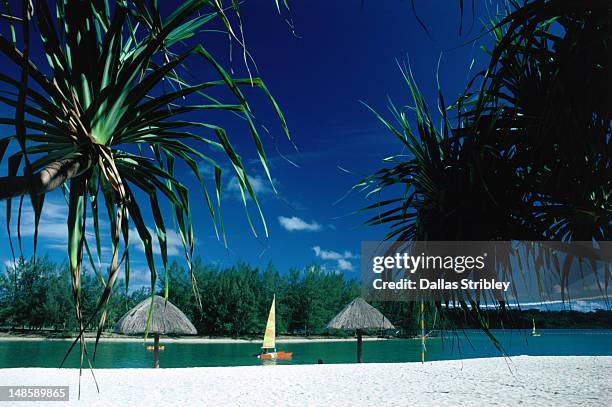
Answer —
(524, 380)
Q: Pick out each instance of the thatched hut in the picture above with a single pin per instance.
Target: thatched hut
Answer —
(359, 316)
(165, 319)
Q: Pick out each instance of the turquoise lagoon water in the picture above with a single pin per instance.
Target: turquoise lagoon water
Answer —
(472, 344)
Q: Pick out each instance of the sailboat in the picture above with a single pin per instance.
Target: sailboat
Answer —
(533, 330)
(268, 348)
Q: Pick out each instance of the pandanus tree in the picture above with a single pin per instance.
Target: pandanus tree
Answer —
(109, 116)
(525, 153)
(529, 155)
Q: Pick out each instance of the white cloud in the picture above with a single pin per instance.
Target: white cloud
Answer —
(261, 186)
(53, 227)
(52, 221)
(296, 224)
(53, 234)
(139, 277)
(207, 169)
(341, 259)
(344, 265)
(173, 241)
(331, 255)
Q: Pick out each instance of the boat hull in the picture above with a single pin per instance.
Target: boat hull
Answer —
(275, 355)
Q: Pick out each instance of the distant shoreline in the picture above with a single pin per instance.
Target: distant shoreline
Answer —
(114, 337)
(184, 339)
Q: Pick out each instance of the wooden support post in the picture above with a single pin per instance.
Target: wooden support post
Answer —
(359, 346)
(156, 351)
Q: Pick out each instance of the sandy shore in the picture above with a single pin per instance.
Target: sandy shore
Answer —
(524, 380)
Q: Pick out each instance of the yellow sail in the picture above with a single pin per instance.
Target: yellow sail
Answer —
(269, 341)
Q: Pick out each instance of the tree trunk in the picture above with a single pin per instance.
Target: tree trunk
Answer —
(47, 179)
(359, 346)
(156, 352)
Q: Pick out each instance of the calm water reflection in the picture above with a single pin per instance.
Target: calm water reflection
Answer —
(476, 344)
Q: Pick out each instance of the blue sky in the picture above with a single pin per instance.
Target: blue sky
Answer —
(344, 53)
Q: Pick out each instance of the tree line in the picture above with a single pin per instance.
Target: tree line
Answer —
(236, 300)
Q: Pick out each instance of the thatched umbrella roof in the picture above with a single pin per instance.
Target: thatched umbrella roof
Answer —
(166, 319)
(360, 315)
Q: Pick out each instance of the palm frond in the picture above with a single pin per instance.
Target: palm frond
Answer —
(83, 119)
